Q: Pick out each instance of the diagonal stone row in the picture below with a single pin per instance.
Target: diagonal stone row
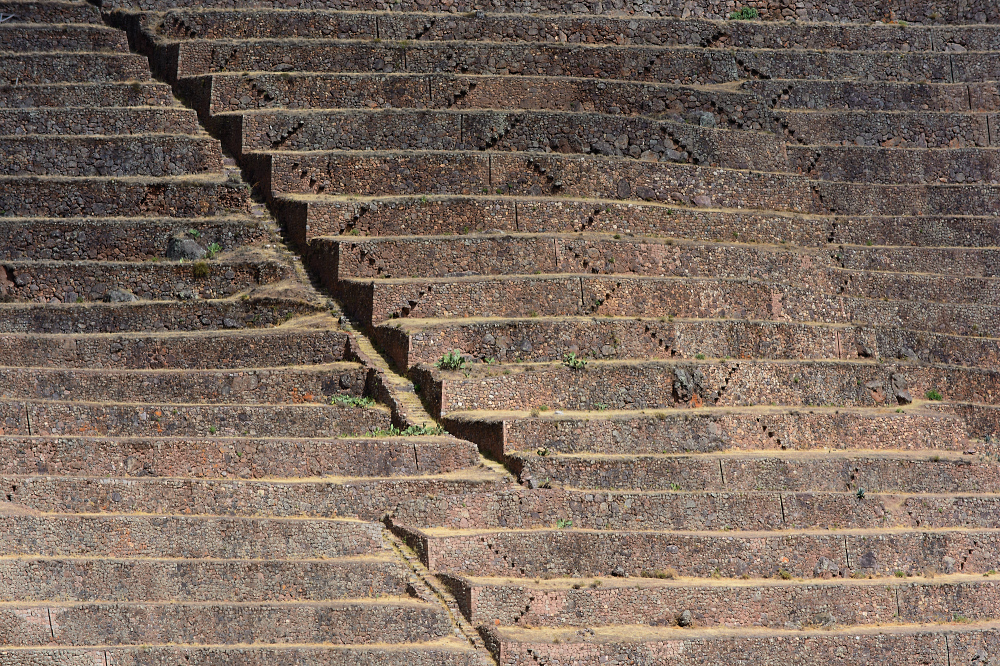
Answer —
(718, 294)
(194, 463)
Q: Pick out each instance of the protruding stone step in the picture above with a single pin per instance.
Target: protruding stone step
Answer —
(245, 457)
(93, 95)
(75, 67)
(15, 36)
(747, 429)
(367, 498)
(59, 196)
(118, 239)
(105, 121)
(558, 553)
(386, 620)
(186, 537)
(275, 385)
(65, 580)
(116, 156)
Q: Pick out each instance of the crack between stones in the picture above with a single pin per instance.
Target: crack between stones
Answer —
(27, 418)
(52, 631)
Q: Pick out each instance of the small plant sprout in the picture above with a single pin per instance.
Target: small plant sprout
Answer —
(564, 523)
(675, 486)
(410, 431)
(933, 394)
(194, 233)
(351, 401)
(213, 250)
(574, 363)
(744, 14)
(451, 361)
(860, 493)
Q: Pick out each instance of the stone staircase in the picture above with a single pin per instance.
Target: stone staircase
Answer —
(722, 292)
(195, 455)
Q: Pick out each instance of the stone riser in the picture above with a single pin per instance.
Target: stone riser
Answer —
(626, 63)
(213, 624)
(72, 68)
(551, 340)
(750, 430)
(253, 23)
(246, 458)
(364, 498)
(890, 96)
(147, 155)
(326, 655)
(980, 262)
(75, 38)
(109, 197)
(147, 93)
(891, 129)
(283, 385)
(894, 166)
(192, 421)
(147, 351)
(658, 385)
(565, 133)
(706, 511)
(52, 12)
(122, 318)
(909, 645)
(119, 239)
(575, 553)
(847, 10)
(775, 606)
(187, 537)
(100, 120)
(76, 581)
(57, 282)
(926, 474)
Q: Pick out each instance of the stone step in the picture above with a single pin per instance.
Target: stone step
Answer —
(254, 23)
(27, 37)
(895, 165)
(185, 537)
(703, 431)
(46, 281)
(904, 472)
(854, 10)
(375, 301)
(92, 95)
(819, 95)
(367, 498)
(63, 580)
(726, 511)
(261, 310)
(51, 11)
(663, 384)
(221, 92)
(413, 341)
(118, 239)
(480, 130)
(443, 652)
(116, 156)
(890, 129)
(511, 173)
(292, 344)
(309, 216)
(134, 419)
(559, 553)
(105, 121)
(633, 63)
(75, 67)
(388, 620)
(774, 604)
(916, 643)
(204, 195)
(245, 457)
(275, 385)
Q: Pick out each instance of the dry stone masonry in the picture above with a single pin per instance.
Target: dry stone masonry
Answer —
(703, 295)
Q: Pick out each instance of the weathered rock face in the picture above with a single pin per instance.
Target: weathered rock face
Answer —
(716, 284)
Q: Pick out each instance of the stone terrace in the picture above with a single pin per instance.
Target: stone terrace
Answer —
(718, 295)
(192, 455)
